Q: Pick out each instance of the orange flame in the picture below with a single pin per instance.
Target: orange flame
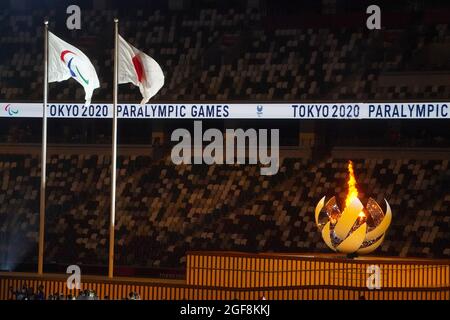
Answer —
(352, 191)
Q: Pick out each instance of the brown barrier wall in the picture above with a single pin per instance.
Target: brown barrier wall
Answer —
(238, 270)
(170, 291)
(228, 276)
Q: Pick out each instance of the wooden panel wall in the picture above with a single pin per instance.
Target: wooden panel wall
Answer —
(240, 271)
(212, 275)
(147, 291)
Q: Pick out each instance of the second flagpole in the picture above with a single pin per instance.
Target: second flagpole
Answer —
(113, 156)
(43, 157)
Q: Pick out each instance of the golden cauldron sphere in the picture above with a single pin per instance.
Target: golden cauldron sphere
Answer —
(357, 229)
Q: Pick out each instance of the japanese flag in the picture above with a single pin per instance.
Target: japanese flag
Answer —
(139, 69)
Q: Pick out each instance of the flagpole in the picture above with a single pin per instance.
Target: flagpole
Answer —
(43, 157)
(114, 155)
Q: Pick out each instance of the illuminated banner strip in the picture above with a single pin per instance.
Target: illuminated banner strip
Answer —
(405, 110)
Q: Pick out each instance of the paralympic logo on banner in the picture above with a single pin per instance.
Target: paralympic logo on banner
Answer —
(69, 63)
(11, 110)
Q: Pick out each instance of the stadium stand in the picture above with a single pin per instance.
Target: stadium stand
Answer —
(226, 231)
(164, 210)
(237, 54)
(222, 54)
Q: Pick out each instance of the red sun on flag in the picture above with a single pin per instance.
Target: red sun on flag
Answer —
(139, 68)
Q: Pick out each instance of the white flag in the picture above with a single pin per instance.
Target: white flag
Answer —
(139, 69)
(65, 61)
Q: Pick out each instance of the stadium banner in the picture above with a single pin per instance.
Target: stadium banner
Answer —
(338, 111)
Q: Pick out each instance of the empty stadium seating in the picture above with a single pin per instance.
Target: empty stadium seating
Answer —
(228, 54)
(219, 54)
(164, 210)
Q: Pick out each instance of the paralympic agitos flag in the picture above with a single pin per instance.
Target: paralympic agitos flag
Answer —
(65, 61)
(140, 69)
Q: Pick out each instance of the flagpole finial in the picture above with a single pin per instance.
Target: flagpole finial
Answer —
(46, 22)
(116, 20)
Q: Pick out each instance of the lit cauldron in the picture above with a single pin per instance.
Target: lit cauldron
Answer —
(355, 230)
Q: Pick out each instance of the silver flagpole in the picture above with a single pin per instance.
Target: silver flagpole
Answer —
(43, 156)
(114, 154)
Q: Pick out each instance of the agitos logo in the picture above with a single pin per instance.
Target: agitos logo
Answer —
(67, 57)
(11, 111)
